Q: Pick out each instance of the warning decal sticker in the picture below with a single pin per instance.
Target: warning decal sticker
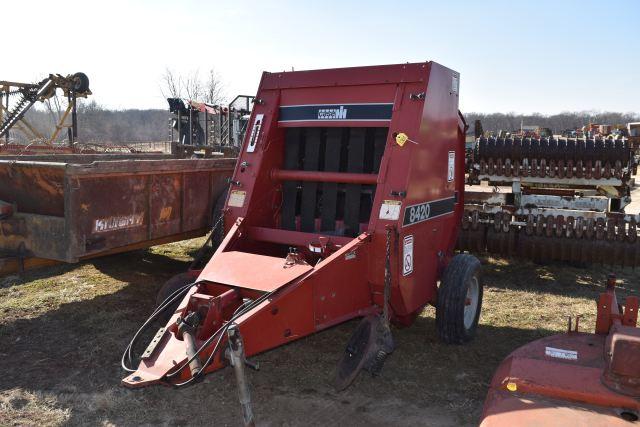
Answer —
(390, 209)
(236, 198)
(559, 353)
(407, 255)
(451, 170)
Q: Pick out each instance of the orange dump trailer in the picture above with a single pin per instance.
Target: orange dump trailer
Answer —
(71, 207)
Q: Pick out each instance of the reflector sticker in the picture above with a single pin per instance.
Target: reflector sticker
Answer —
(428, 210)
(335, 112)
(559, 353)
(255, 133)
(451, 170)
(390, 209)
(236, 198)
(407, 255)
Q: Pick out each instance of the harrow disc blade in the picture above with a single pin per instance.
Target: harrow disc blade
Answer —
(551, 157)
(547, 238)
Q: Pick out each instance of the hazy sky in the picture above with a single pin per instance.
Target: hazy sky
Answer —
(535, 56)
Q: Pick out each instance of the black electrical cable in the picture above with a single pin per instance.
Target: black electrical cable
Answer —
(220, 334)
(126, 356)
(162, 307)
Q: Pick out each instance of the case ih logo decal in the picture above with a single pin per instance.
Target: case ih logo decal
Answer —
(336, 112)
(428, 210)
(332, 113)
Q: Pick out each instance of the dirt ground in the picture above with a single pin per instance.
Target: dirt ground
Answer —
(62, 331)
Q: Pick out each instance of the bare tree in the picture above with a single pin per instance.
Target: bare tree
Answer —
(171, 85)
(193, 86)
(214, 89)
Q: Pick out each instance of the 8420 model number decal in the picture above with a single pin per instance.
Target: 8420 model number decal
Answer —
(428, 210)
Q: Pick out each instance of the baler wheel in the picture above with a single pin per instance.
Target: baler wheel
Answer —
(169, 287)
(459, 300)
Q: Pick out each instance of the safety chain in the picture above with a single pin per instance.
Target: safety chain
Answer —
(387, 277)
(201, 251)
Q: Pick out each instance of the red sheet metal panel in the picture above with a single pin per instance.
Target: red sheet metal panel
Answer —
(556, 381)
(251, 271)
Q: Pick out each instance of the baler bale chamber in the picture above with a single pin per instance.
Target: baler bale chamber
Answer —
(344, 203)
(72, 207)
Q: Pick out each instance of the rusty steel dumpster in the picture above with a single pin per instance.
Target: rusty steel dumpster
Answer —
(66, 208)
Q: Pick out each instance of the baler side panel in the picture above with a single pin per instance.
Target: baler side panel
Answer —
(433, 124)
(394, 180)
(253, 180)
(429, 180)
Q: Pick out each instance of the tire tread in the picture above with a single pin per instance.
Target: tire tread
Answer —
(451, 296)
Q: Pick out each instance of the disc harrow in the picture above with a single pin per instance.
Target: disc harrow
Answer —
(553, 157)
(585, 239)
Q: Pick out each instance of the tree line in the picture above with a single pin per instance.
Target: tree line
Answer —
(103, 125)
(556, 122)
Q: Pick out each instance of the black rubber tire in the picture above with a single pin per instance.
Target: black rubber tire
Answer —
(169, 287)
(81, 82)
(452, 296)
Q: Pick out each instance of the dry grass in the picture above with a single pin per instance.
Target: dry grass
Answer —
(62, 330)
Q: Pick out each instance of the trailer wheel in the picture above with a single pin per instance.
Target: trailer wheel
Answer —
(459, 300)
(169, 287)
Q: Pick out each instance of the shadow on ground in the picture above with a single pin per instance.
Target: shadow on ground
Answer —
(557, 278)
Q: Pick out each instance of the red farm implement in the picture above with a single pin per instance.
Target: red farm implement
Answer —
(575, 378)
(345, 203)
